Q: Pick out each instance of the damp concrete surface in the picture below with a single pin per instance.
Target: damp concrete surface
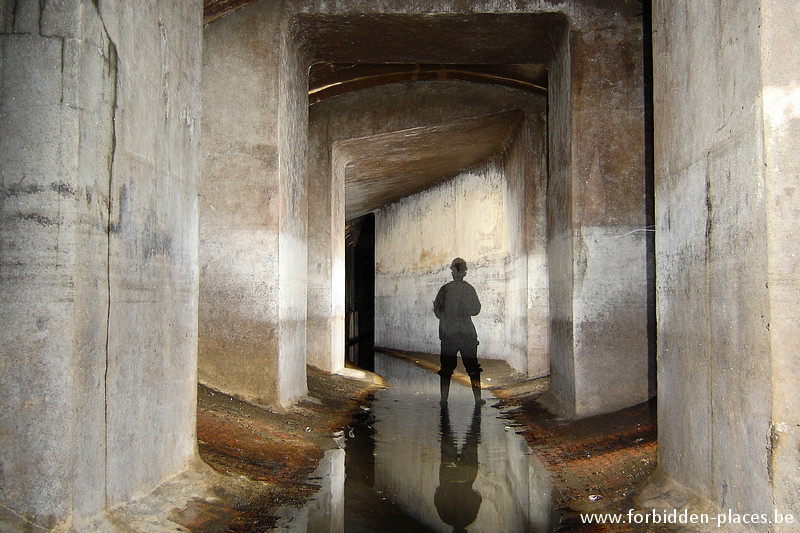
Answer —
(379, 452)
(412, 463)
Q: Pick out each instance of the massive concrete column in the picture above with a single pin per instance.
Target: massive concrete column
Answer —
(253, 209)
(596, 216)
(326, 276)
(726, 119)
(98, 253)
(528, 159)
(152, 340)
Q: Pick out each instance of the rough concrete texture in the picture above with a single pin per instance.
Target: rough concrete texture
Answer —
(293, 228)
(596, 252)
(595, 248)
(726, 270)
(99, 240)
(240, 204)
(608, 213)
(415, 240)
(780, 79)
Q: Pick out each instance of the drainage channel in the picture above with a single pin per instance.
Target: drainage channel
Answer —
(409, 463)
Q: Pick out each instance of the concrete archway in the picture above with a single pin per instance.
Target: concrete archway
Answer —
(589, 304)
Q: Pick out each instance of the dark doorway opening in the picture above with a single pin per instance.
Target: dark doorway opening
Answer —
(360, 292)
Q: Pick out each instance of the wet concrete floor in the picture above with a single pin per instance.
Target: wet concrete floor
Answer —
(409, 463)
(391, 459)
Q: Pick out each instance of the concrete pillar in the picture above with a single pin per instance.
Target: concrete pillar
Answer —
(326, 276)
(534, 168)
(253, 209)
(293, 236)
(725, 174)
(596, 217)
(98, 254)
(780, 71)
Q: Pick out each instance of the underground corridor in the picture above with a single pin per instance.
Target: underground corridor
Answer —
(410, 165)
(230, 230)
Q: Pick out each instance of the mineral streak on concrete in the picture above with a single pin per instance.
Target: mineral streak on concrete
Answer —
(99, 144)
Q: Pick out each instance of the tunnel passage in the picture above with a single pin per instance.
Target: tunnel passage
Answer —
(385, 168)
(399, 166)
(290, 222)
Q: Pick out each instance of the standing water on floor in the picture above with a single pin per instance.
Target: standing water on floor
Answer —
(411, 464)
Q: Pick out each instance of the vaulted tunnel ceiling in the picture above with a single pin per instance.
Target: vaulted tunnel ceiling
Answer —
(381, 169)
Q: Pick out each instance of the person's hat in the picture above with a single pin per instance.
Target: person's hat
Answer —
(459, 265)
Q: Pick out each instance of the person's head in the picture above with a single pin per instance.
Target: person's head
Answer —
(459, 268)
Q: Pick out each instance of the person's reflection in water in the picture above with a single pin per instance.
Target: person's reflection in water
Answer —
(455, 305)
(455, 499)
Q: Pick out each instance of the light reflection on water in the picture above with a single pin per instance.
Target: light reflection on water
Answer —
(413, 465)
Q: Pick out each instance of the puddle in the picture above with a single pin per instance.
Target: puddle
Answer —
(410, 464)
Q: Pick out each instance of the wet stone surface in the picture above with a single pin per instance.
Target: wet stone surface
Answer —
(409, 463)
(391, 459)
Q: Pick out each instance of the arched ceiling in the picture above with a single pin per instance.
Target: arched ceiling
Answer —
(213, 9)
(332, 79)
(381, 169)
(349, 52)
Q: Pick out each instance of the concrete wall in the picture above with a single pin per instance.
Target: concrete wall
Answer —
(726, 107)
(98, 251)
(472, 217)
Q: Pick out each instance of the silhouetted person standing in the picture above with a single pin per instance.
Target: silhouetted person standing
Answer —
(454, 306)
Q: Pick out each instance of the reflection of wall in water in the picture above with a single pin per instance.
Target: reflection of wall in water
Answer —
(325, 511)
(417, 238)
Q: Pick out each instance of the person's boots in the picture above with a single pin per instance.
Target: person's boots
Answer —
(476, 389)
(444, 388)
